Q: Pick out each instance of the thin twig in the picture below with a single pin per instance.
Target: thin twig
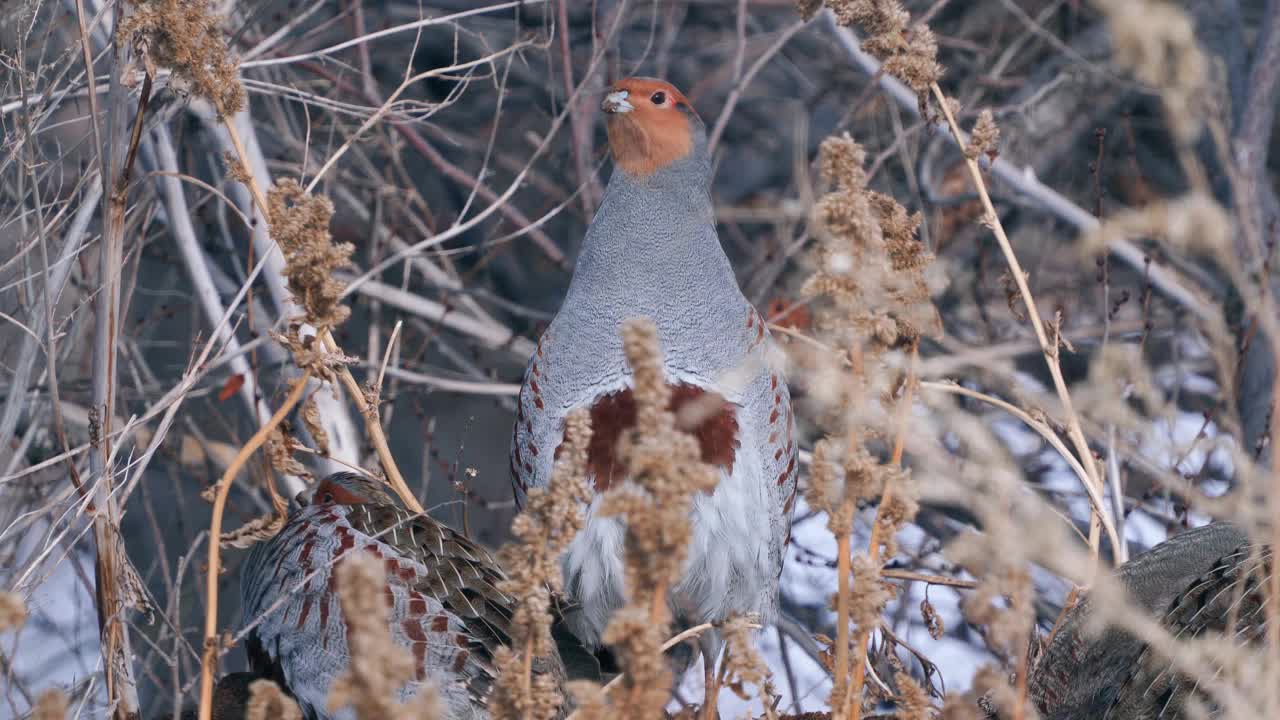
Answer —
(1049, 349)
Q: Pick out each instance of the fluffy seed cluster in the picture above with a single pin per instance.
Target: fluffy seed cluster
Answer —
(1002, 604)
(1156, 40)
(378, 667)
(871, 270)
(268, 702)
(871, 298)
(300, 225)
(50, 705)
(744, 665)
(666, 472)
(871, 288)
(985, 138)
(13, 611)
(909, 53)
(185, 35)
(552, 517)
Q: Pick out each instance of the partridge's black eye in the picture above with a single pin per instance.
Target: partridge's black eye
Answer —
(326, 498)
(658, 98)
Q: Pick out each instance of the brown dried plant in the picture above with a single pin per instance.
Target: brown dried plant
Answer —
(300, 226)
(268, 702)
(872, 293)
(985, 138)
(1156, 40)
(1002, 604)
(378, 668)
(186, 36)
(13, 611)
(552, 516)
(50, 705)
(743, 664)
(908, 52)
(666, 472)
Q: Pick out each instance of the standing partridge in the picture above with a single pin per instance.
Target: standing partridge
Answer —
(652, 251)
(445, 605)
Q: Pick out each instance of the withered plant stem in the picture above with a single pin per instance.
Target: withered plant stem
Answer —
(675, 640)
(374, 427)
(370, 414)
(1094, 486)
(852, 701)
(210, 656)
(841, 667)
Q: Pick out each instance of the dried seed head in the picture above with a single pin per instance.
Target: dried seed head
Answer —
(50, 705)
(909, 53)
(378, 667)
(913, 701)
(300, 226)
(13, 611)
(184, 35)
(551, 519)
(985, 138)
(268, 702)
(1157, 41)
(745, 665)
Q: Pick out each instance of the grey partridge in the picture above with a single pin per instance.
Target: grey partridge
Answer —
(652, 251)
(445, 605)
(1205, 580)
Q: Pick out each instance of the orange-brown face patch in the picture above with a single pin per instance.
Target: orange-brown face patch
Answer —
(707, 415)
(328, 493)
(656, 133)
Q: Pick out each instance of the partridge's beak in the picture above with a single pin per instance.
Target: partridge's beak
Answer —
(616, 102)
(303, 498)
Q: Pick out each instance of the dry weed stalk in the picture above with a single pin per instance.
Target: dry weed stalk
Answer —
(1002, 604)
(212, 646)
(743, 664)
(666, 471)
(188, 39)
(872, 279)
(886, 24)
(379, 668)
(552, 516)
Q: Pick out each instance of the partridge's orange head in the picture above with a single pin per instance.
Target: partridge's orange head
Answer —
(345, 488)
(651, 124)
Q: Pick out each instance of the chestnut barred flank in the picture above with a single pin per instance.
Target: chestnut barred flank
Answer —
(714, 424)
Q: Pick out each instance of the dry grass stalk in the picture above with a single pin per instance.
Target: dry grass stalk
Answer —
(872, 291)
(268, 702)
(1093, 482)
(666, 471)
(209, 658)
(378, 668)
(552, 516)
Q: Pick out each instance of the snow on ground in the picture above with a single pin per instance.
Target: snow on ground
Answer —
(58, 645)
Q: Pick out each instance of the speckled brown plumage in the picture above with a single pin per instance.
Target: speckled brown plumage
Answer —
(445, 608)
